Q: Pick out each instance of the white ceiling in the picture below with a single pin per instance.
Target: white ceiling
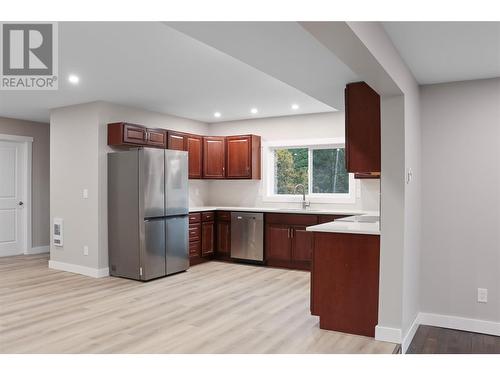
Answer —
(448, 51)
(284, 50)
(152, 66)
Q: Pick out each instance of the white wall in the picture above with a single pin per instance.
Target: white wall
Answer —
(392, 213)
(73, 167)
(461, 198)
(313, 126)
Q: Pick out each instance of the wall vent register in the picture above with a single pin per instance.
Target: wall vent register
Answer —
(57, 234)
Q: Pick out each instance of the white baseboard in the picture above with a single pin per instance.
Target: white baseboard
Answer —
(463, 324)
(11, 252)
(405, 344)
(82, 270)
(388, 334)
(37, 250)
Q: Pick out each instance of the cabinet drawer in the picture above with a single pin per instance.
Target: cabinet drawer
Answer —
(194, 232)
(223, 215)
(207, 216)
(292, 219)
(195, 248)
(194, 217)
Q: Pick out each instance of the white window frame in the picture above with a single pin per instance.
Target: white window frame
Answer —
(312, 144)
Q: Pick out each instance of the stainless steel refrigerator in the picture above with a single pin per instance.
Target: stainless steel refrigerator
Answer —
(147, 213)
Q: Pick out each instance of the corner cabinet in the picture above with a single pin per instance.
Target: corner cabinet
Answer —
(362, 130)
(214, 157)
(243, 157)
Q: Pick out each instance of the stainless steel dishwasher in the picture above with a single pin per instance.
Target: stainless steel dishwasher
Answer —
(247, 236)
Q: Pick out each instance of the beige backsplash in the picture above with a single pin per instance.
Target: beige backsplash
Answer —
(249, 194)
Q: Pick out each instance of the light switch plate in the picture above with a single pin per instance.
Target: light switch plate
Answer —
(482, 295)
(85, 193)
(409, 176)
(85, 250)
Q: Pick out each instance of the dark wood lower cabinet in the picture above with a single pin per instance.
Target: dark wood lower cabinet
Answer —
(224, 238)
(302, 247)
(345, 282)
(287, 243)
(207, 238)
(201, 237)
(278, 245)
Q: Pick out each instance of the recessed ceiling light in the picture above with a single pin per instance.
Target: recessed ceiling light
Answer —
(217, 114)
(254, 111)
(295, 107)
(73, 79)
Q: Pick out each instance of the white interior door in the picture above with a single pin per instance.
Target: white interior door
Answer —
(12, 188)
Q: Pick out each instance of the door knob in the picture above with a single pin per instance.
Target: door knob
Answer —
(21, 203)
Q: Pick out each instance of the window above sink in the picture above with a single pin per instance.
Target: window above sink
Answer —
(317, 164)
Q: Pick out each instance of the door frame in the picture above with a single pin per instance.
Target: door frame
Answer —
(27, 150)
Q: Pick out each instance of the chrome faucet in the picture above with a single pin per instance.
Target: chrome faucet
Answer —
(304, 203)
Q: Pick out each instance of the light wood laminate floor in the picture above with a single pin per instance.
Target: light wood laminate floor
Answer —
(212, 308)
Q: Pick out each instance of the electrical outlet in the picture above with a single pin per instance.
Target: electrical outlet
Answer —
(85, 250)
(85, 193)
(482, 295)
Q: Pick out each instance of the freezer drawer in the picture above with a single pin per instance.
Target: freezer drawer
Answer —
(153, 249)
(177, 249)
(247, 236)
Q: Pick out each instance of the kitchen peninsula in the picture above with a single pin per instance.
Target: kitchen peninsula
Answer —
(345, 274)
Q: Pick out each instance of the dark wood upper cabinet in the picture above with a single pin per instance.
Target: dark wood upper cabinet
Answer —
(176, 141)
(125, 134)
(194, 147)
(156, 138)
(243, 156)
(214, 157)
(362, 128)
(235, 157)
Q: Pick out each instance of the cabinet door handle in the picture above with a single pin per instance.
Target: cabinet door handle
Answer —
(291, 232)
